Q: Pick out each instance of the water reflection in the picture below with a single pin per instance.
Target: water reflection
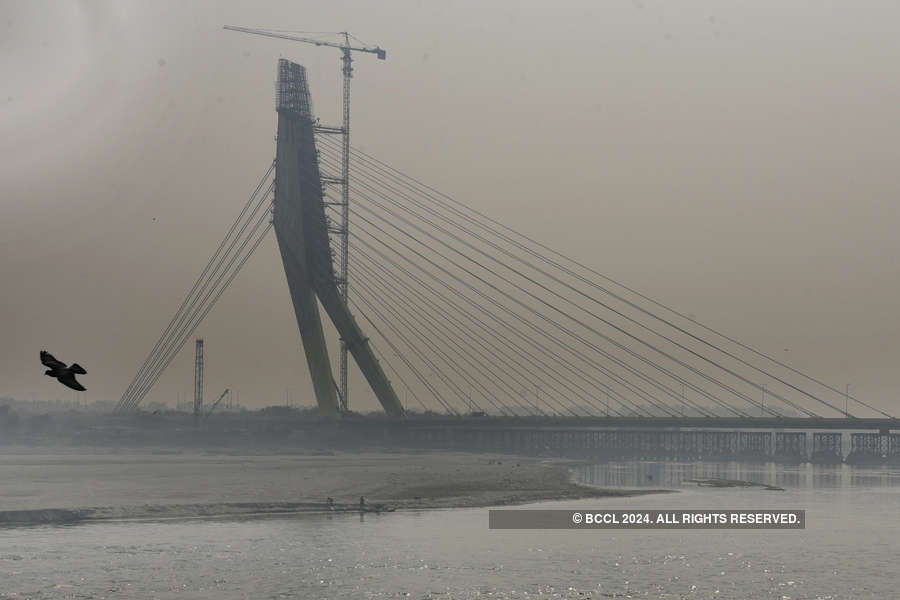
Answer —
(673, 474)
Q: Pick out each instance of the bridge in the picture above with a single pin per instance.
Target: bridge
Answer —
(824, 441)
(494, 339)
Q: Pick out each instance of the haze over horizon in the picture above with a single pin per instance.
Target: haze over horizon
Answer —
(735, 161)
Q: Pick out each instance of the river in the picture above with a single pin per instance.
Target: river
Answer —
(849, 549)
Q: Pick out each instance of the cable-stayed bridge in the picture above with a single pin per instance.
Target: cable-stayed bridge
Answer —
(461, 315)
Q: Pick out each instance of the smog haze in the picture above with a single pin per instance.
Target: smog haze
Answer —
(736, 161)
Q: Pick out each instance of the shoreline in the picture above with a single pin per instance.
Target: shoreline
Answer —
(223, 486)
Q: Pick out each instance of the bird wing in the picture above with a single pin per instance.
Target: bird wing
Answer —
(48, 360)
(68, 380)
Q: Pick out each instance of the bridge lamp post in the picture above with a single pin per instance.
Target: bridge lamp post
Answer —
(762, 406)
(847, 400)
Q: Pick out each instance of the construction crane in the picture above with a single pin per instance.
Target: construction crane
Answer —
(198, 380)
(216, 403)
(344, 231)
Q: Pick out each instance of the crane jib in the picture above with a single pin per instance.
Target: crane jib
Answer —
(380, 53)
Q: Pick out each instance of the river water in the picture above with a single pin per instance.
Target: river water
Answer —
(850, 548)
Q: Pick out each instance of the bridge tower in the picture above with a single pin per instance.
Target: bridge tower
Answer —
(301, 228)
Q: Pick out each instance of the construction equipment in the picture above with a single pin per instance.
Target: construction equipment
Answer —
(344, 230)
(346, 48)
(198, 380)
(216, 403)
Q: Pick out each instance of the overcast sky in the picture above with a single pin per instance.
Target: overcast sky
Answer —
(736, 160)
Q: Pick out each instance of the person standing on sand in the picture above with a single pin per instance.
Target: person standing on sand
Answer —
(362, 503)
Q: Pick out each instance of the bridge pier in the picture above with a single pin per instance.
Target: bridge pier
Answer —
(790, 446)
(826, 448)
(878, 447)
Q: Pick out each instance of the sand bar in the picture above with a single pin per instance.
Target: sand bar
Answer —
(74, 487)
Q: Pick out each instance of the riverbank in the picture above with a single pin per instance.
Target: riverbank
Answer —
(48, 488)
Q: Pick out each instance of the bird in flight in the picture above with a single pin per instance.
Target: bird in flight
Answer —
(59, 370)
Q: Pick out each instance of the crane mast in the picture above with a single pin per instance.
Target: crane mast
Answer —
(347, 69)
(344, 231)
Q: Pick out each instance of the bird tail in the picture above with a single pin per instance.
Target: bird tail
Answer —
(76, 368)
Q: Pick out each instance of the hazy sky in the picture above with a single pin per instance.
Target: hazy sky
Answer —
(737, 160)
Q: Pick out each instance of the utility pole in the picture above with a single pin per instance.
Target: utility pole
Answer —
(762, 406)
(344, 233)
(198, 381)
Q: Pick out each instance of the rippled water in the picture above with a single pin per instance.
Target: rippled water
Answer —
(850, 548)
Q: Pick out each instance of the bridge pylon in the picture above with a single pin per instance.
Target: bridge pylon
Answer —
(301, 228)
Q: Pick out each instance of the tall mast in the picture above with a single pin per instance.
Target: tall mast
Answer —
(347, 69)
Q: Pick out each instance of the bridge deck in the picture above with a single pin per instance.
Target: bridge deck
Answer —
(791, 440)
(767, 423)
